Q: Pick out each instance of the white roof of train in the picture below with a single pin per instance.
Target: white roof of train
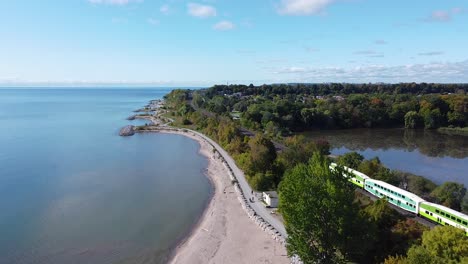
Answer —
(398, 190)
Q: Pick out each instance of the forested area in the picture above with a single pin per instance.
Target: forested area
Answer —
(282, 109)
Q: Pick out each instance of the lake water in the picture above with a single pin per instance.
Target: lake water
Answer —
(430, 154)
(73, 191)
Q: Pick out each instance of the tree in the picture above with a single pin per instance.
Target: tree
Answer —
(263, 181)
(464, 204)
(370, 167)
(381, 220)
(351, 160)
(441, 245)
(450, 194)
(323, 223)
(262, 154)
(412, 120)
(395, 260)
(300, 150)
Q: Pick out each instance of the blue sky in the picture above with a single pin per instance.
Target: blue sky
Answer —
(200, 43)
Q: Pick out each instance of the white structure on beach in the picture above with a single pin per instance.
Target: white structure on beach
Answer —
(270, 199)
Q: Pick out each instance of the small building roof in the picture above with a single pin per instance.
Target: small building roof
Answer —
(272, 194)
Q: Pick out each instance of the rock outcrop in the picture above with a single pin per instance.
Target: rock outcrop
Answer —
(127, 131)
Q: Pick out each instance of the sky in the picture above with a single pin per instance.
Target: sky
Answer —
(206, 42)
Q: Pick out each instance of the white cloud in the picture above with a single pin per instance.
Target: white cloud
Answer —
(224, 25)
(311, 49)
(444, 15)
(202, 11)
(165, 9)
(303, 7)
(113, 2)
(365, 52)
(440, 16)
(457, 10)
(431, 72)
(380, 42)
(153, 22)
(431, 53)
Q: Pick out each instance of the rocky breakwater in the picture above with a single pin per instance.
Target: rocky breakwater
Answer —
(127, 131)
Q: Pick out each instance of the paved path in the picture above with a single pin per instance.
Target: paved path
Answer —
(257, 206)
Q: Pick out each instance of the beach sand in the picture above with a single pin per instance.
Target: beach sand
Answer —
(225, 234)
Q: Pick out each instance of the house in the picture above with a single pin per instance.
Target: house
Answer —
(270, 199)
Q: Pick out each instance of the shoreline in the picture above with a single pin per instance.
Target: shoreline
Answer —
(223, 233)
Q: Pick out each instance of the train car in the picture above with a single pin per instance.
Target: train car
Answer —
(443, 215)
(394, 195)
(353, 176)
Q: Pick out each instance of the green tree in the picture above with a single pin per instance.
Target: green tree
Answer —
(464, 204)
(412, 120)
(450, 194)
(395, 260)
(432, 118)
(381, 220)
(351, 160)
(263, 181)
(300, 150)
(370, 167)
(262, 154)
(323, 223)
(441, 245)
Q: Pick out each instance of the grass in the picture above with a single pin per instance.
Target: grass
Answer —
(462, 131)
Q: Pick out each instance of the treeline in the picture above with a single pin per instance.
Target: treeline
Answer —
(450, 194)
(280, 109)
(339, 89)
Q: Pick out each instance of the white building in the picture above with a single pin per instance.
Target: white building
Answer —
(270, 199)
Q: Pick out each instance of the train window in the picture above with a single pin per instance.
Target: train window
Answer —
(437, 211)
(465, 223)
(458, 220)
(403, 197)
(427, 212)
(453, 218)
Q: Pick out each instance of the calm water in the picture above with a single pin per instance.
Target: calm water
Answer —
(436, 156)
(73, 191)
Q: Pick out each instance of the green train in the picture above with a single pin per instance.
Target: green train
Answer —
(406, 200)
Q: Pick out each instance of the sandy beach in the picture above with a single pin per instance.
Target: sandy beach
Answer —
(225, 234)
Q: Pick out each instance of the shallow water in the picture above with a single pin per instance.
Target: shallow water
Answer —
(436, 156)
(73, 191)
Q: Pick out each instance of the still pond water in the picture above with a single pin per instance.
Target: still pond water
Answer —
(430, 154)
